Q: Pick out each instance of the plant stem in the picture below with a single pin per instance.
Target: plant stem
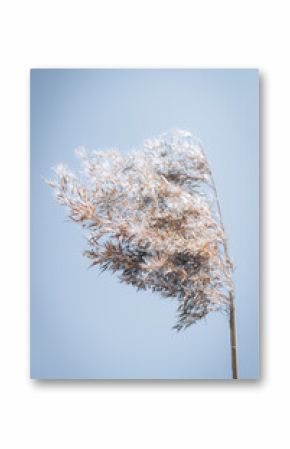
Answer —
(232, 302)
(234, 358)
(233, 337)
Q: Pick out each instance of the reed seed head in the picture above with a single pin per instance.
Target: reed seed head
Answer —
(152, 217)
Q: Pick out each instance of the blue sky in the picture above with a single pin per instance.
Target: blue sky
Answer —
(85, 325)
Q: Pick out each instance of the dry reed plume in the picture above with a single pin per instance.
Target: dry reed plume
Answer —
(153, 217)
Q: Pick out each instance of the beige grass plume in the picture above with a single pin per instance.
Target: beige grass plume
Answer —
(153, 217)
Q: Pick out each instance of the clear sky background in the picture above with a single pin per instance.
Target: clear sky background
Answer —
(86, 325)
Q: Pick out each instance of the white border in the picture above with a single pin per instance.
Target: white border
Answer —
(144, 34)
